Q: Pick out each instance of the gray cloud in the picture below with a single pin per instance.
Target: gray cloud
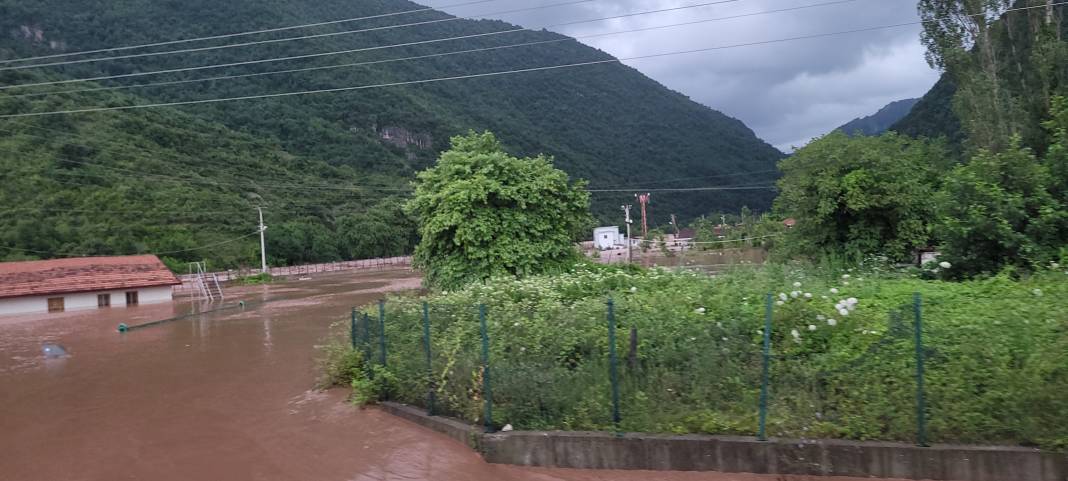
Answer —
(787, 92)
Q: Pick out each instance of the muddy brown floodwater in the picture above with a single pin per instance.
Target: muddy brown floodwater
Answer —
(224, 397)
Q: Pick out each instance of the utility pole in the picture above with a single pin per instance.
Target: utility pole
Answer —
(263, 244)
(644, 200)
(675, 223)
(626, 212)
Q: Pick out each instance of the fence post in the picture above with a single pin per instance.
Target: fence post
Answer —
(367, 339)
(352, 329)
(382, 332)
(921, 397)
(487, 389)
(613, 372)
(762, 435)
(429, 363)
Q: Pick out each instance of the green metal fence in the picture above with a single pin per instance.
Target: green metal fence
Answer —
(617, 373)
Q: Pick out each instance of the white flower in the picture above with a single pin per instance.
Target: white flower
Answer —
(808, 295)
(780, 303)
(824, 297)
(845, 276)
(834, 290)
(693, 339)
(633, 289)
(515, 325)
(699, 310)
(797, 284)
(832, 322)
(522, 349)
(812, 327)
(507, 428)
(794, 294)
(864, 331)
(782, 296)
(945, 265)
(852, 301)
(1054, 265)
(843, 312)
(1037, 292)
(845, 283)
(724, 339)
(820, 317)
(719, 324)
(797, 335)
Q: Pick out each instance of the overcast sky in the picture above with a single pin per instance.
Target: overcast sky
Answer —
(788, 92)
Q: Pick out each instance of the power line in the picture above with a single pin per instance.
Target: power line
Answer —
(240, 34)
(138, 74)
(456, 77)
(434, 55)
(357, 50)
(688, 189)
(668, 181)
(290, 39)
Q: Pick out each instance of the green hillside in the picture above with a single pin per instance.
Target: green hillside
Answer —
(880, 121)
(330, 167)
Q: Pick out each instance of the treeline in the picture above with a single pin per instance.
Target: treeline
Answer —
(996, 200)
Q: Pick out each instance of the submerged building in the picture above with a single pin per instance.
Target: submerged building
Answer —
(59, 285)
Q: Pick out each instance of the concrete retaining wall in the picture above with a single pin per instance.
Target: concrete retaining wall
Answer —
(739, 454)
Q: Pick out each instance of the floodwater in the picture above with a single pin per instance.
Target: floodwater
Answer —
(225, 396)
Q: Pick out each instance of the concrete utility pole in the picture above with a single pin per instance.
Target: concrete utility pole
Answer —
(263, 244)
(626, 211)
(675, 224)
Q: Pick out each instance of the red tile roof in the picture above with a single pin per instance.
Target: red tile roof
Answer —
(84, 274)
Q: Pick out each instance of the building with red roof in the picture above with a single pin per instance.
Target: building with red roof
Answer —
(59, 285)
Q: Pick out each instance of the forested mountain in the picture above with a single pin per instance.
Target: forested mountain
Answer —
(880, 121)
(331, 169)
(933, 115)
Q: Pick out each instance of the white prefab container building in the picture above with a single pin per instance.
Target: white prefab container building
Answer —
(608, 238)
(83, 283)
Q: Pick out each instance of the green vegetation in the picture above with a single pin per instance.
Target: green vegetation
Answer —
(884, 196)
(483, 213)
(864, 195)
(842, 364)
(331, 170)
(1001, 72)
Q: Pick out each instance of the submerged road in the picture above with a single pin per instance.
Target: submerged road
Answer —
(222, 397)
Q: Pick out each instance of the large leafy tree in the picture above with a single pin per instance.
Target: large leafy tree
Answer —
(866, 195)
(484, 213)
(1009, 208)
(1006, 64)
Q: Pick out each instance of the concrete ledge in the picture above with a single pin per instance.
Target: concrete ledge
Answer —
(740, 454)
(465, 433)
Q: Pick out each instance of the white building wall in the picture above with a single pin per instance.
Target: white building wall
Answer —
(606, 237)
(83, 300)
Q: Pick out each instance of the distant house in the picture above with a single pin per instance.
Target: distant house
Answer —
(789, 223)
(608, 237)
(684, 238)
(83, 283)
